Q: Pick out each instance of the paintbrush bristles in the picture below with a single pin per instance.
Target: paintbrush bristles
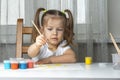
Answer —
(115, 44)
(36, 28)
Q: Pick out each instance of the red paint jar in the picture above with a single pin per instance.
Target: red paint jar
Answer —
(30, 64)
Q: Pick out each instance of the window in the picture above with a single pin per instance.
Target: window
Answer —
(81, 11)
(10, 12)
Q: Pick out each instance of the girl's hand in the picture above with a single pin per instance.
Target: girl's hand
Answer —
(40, 40)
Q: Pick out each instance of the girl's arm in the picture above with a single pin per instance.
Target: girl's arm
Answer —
(34, 49)
(68, 57)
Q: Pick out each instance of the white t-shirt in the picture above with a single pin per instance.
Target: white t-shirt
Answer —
(45, 52)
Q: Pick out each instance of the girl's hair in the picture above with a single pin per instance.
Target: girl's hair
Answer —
(68, 36)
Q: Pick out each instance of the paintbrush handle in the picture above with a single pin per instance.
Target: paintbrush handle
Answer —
(115, 44)
(36, 28)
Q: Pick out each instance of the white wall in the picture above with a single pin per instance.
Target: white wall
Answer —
(114, 18)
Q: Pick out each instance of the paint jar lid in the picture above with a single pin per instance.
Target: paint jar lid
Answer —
(23, 61)
(14, 61)
(6, 61)
(29, 60)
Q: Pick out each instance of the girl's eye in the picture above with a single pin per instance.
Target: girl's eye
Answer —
(60, 29)
(49, 29)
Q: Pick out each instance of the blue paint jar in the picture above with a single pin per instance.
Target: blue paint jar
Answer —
(22, 64)
(7, 64)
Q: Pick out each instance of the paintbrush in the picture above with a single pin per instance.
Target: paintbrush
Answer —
(36, 28)
(115, 44)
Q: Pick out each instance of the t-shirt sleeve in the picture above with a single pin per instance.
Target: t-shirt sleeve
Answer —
(61, 50)
(66, 48)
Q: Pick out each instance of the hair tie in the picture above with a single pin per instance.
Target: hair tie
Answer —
(45, 11)
(63, 12)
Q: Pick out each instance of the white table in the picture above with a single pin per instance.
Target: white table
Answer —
(77, 71)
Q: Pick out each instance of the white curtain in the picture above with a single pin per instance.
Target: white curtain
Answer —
(91, 36)
(97, 30)
(9, 13)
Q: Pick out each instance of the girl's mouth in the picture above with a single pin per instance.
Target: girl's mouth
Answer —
(54, 38)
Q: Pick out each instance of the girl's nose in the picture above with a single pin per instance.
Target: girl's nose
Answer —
(55, 32)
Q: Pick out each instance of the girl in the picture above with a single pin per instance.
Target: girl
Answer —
(53, 46)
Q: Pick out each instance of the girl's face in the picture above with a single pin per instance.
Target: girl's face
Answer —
(54, 30)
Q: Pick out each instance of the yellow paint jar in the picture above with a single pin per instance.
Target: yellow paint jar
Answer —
(88, 60)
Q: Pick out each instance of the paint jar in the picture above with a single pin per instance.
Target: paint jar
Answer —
(7, 64)
(23, 64)
(14, 64)
(116, 61)
(88, 60)
(30, 63)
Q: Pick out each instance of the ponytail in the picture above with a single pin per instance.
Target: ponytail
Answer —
(69, 29)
